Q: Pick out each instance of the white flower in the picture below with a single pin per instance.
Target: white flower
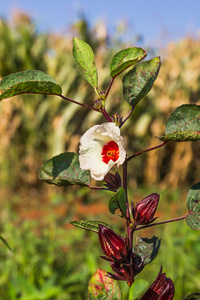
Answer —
(101, 147)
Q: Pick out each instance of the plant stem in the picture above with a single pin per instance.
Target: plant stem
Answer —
(124, 183)
(146, 150)
(95, 187)
(82, 104)
(104, 112)
(125, 188)
(109, 87)
(130, 230)
(163, 222)
(129, 114)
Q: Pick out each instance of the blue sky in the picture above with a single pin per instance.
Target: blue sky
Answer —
(154, 20)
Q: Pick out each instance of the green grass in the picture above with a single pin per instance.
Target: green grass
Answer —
(53, 260)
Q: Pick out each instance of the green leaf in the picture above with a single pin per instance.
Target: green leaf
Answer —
(139, 81)
(193, 205)
(193, 198)
(32, 81)
(183, 124)
(137, 288)
(101, 287)
(84, 60)
(64, 169)
(147, 249)
(193, 220)
(6, 243)
(124, 59)
(92, 225)
(193, 296)
(118, 201)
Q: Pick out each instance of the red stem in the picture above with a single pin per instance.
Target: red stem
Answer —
(130, 230)
(82, 104)
(104, 112)
(125, 188)
(108, 90)
(96, 187)
(163, 222)
(129, 114)
(146, 150)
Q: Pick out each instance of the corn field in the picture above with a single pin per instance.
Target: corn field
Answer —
(36, 127)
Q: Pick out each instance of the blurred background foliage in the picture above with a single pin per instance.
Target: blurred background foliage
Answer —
(51, 259)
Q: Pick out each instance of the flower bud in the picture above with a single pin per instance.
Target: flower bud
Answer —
(103, 95)
(113, 181)
(113, 245)
(127, 270)
(117, 119)
(162, 288)
(144, 211)
(98, 104)
(122, 272)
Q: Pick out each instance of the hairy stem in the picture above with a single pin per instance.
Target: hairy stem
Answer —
(146, 150)
(163, 222)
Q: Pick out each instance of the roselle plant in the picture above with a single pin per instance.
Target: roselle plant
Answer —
(101, 148)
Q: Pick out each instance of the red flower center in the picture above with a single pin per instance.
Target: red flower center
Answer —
(110, 151)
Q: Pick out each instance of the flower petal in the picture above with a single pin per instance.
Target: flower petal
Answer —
(92, 156)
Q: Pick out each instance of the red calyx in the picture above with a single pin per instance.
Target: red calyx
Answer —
(113, 245)
(144, 211)
(162, 288)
